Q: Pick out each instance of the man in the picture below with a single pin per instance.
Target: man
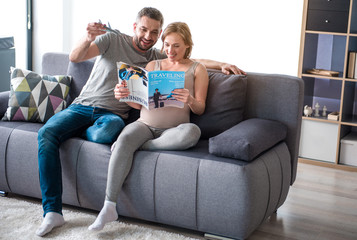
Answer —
(95, 114)
(157, 96)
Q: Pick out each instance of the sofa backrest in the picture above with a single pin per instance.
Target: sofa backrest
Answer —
(80, 73)
(224, 104)
(55, 63)
(225, 100)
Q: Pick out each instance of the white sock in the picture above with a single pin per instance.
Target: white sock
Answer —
(51, 220)
(107, 214)
(113, 146)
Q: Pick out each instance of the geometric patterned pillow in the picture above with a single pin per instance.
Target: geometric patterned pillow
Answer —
(35, 97)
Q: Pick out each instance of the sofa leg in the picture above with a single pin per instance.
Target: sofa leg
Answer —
(210, 236)
(3, 194)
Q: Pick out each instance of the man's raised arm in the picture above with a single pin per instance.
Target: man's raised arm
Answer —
(86, 48)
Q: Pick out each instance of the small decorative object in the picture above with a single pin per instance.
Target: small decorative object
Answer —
(333, 116)
(324, 109)
(323, 72)
(307, 111)
(317, 109)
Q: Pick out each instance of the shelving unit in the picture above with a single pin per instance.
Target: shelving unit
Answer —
(329, 33)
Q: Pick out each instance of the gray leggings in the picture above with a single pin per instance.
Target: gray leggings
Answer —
(138, 134)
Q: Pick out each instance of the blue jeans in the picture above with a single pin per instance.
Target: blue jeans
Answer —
(95, 124)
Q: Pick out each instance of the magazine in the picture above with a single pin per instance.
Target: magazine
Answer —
(151, 89)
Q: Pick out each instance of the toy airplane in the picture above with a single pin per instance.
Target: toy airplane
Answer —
(108, 29)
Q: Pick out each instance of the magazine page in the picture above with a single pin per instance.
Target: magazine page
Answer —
(161, 84)
(137, 82)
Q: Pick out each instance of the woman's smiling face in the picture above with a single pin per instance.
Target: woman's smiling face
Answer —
(175, 47)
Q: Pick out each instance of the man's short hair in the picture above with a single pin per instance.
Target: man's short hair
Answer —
(152, 13)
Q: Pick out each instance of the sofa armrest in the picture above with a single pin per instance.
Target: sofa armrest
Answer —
(280, 98)
(4, 102)
(246, 140)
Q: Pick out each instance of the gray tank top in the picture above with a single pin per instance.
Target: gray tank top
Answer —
(169, 117)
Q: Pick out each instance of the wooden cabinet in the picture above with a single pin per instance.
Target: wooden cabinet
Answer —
(329, 34)
(330, 5)
(331, 21)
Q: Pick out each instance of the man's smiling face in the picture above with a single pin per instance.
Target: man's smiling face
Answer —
(146, 33)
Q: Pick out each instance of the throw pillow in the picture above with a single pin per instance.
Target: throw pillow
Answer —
(224, 105)
(35, 97)
(248, 139)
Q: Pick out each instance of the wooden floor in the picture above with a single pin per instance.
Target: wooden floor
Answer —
(321, 204)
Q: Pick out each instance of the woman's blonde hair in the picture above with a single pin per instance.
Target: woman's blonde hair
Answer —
(183, 30)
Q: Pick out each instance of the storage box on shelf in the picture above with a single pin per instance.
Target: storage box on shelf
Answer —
(348, 152)
(329, 34)
(318, 140)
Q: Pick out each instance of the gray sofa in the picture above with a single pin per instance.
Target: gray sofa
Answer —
(238, 175)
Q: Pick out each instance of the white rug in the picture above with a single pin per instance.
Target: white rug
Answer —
(19, 220)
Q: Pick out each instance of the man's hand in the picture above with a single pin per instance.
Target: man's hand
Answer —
(229, 69)
(85, 48)
(94, 30)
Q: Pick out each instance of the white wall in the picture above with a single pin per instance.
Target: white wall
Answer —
(14, 25)
(256, 35)
(47, 29)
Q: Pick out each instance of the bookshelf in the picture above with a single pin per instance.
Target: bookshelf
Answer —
(328, 35)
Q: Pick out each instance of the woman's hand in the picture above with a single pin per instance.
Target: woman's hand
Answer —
(182, 95)
(121, 90)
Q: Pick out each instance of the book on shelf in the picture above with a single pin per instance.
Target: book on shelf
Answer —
(352, 68)
(151, 89)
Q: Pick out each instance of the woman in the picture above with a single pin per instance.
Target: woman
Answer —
(166, 128)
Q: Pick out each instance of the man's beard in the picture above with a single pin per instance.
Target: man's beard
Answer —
(138, 44)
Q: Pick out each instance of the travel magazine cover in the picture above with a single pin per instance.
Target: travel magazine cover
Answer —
(151, 89)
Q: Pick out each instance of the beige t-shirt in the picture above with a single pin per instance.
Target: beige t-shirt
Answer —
(169, 117)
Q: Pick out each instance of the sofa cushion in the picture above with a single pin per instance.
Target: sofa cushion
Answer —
(224, 104)
(34, 97)
(248, 139)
